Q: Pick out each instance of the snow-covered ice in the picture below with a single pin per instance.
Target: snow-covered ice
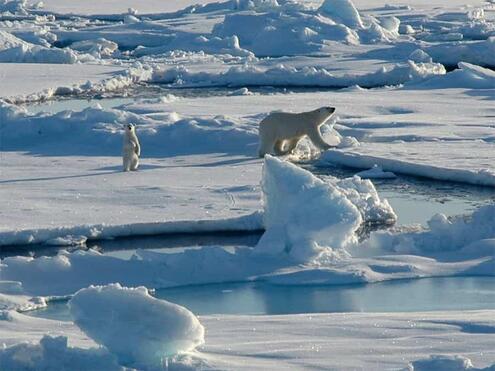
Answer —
(305, 341)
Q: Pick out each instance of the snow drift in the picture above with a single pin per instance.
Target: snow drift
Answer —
(467, 76)
(53, 353)
(481, 53)
(13, 49)
(139, 330)
(95, 131)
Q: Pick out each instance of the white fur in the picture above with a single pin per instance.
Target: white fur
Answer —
(281, 131)
(131, 149)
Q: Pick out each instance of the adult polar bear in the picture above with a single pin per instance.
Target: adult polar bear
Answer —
(281, 131)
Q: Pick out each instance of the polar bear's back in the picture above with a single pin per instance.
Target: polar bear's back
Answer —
(286, 123)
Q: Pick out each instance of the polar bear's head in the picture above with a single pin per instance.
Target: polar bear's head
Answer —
(324, 113)
(130, 128)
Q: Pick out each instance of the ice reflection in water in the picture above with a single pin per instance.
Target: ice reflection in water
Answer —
(448, 293)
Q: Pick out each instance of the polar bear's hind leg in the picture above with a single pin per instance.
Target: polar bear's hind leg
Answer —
(134, 163)
(279, 147)
(291, 144)
(126, 164)
(266, 145)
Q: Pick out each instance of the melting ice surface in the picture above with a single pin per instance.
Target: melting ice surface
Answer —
(470, 293)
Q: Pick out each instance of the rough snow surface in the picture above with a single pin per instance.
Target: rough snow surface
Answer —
(282, 75)
(107, 314)
(443, 234)
(52, 354)
(337, 341)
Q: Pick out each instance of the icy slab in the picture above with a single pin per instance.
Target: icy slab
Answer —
(53, 353)
(410, 162)
(64, 236)
(303, 216)
(139, 330)
(376, 172)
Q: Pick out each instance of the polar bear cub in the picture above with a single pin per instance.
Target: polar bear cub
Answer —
(131, 149)
(281, 131)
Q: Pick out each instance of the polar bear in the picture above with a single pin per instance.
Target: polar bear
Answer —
(131, 149)
(281, 131)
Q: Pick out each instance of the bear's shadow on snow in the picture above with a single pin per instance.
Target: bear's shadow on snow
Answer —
(118, 168)
(107, 170)
(24, 180)
(468, 327)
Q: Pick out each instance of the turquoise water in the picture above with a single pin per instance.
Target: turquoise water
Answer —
(428, 294)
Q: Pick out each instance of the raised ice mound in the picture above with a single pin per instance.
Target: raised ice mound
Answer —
(139, 330)
(443, 234)
(304, 216)
(445, 363)
(342, 11)
(468, 76)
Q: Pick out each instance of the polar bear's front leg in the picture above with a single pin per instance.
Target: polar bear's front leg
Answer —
(317, 139)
